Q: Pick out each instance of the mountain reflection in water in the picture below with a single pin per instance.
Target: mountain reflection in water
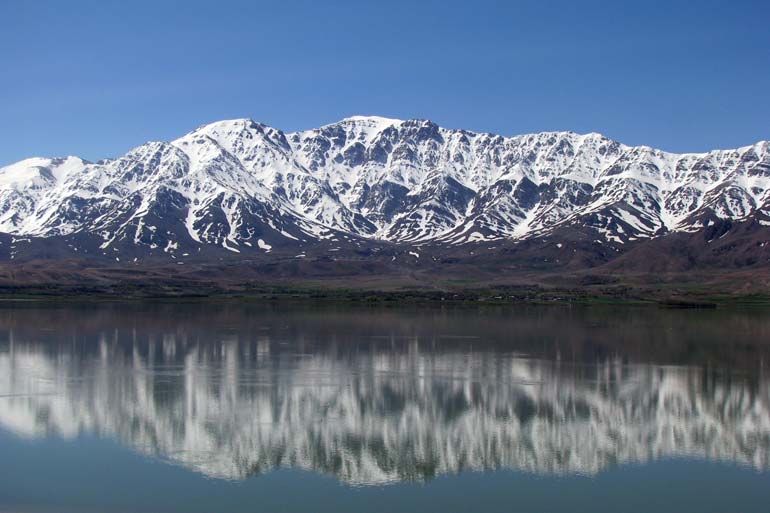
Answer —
(373, 396)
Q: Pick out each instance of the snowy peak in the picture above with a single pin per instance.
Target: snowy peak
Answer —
(235, 182)
(370, 125)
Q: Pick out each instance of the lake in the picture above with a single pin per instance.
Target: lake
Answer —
(207, 407)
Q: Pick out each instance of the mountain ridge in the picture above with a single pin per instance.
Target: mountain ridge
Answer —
(241, 186)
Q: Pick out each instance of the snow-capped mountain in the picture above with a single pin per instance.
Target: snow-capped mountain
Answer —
(242, 186)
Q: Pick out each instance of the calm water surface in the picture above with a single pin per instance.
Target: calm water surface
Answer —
(265, 407)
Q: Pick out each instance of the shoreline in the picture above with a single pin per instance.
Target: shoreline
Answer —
(396, 298)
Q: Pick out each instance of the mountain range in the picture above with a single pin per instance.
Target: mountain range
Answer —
(392, 191)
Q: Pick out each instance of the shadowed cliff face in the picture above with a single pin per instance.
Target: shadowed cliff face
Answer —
(375, 396)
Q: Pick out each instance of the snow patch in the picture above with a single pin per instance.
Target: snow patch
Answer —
(263, 245)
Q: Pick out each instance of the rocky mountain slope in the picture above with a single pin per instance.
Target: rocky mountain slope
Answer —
(239, 186)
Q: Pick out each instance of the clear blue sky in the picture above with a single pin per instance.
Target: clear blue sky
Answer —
(98, 78)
